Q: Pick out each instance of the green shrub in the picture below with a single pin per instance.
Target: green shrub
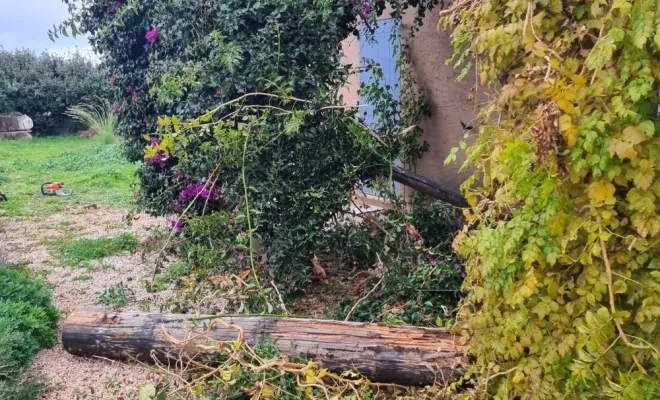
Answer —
(43, 86)
(28, 322)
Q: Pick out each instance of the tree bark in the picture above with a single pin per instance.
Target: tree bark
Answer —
(429, 187)
(407, 355)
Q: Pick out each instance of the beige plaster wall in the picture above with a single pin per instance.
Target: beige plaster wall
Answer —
(447, 99)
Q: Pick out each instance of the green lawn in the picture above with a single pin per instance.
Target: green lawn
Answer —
(98, 174)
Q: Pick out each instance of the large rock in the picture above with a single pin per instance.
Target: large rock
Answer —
(15, 126)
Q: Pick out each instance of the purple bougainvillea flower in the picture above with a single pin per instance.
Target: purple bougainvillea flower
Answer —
(157, 159)
(114, 108)
(152, 36)
(129, 88)
(154, 142)
(116, 6)
(433, 260)
(462, 274)
(218, 92)
(177, 225)
(378, 295)
(442, 277)
(124, 106)
(136, 95)
(240, 256)
(191, 191)
(457, 266)
(366, 9)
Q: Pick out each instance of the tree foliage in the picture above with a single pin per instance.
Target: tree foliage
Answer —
(44, 86)
(563, 258)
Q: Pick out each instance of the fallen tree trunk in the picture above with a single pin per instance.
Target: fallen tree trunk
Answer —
(424, 185)
(408, 355)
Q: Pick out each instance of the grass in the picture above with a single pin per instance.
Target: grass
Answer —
(114, 296)
(76, 252)
(98, 174)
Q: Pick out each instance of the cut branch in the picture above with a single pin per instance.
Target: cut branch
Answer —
(428, 187)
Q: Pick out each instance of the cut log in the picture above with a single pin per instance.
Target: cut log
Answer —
(430, 188)
(407, 355)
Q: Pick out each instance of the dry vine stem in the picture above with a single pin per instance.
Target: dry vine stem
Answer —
(190, 347)
(348, 316)
(608, 271)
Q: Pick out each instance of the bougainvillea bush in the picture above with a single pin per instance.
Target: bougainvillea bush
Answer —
(235, 105)
(562, 241)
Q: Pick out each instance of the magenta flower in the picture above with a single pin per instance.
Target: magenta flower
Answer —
(457, 267)
(240, 256)
(192, 190)
(366, 9)
(136, 95)
(116, 6)
(129, 88)
(114, 108)
(154, 142)
(177, 225)
(378, 295)
(433, 260)
(152, 36)
(218, 92)
(124, 106)
(442, 277)
(157, 159)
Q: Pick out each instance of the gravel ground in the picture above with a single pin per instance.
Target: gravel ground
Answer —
(26, 241)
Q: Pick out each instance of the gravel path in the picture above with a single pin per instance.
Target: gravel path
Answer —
(26, 241)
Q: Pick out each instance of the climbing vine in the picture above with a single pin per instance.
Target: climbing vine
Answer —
(562, 238)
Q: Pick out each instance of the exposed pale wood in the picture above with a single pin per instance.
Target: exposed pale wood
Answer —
(407, 355)
(428, 187)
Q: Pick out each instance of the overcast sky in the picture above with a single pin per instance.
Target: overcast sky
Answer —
(25, 24)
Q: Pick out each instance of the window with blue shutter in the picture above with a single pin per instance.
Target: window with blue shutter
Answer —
(380, 49)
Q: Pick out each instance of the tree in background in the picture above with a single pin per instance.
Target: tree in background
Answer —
(44, 86)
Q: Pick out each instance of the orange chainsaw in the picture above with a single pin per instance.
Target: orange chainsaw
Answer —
(55, 189)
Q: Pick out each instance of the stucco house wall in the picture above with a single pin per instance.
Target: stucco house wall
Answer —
(448, 103)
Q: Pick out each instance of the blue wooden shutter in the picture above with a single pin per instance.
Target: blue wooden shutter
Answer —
(383, 51)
